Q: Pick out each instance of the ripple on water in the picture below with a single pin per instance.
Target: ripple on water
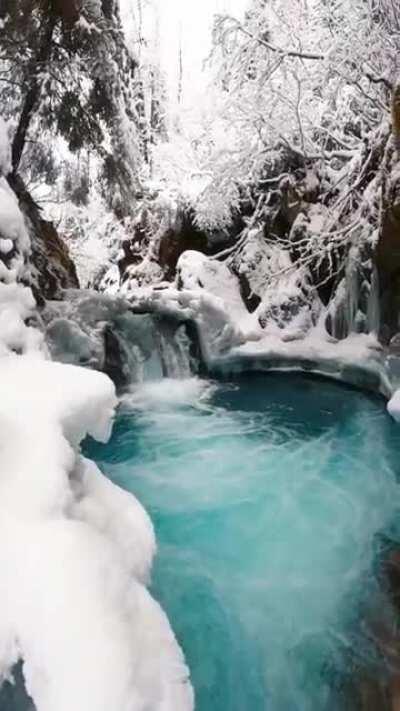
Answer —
(270, 499)
(273, 500)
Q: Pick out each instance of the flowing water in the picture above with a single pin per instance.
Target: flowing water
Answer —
(275, 500)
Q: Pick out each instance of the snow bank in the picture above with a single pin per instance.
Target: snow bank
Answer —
(17, 304)
(74, 553)
(357, 360)
(75, 550)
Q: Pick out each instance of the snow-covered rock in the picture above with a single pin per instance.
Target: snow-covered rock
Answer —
(74, 552)
(231, 340)
(110, 334)
(17, 304)
(196, 271)
(280, 294)
(12, 224)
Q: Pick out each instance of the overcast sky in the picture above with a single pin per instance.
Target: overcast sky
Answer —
(192, 20)
(180, 22)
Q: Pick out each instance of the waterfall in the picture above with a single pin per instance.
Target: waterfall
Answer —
(151, 348)
(104, 333)
(174, 349)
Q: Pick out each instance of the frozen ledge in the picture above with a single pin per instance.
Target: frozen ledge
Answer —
(230, 343)
(355, 361)
(75, 555)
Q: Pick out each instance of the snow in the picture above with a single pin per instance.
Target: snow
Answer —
(357, 359)
(195, 271)
(17, 304)
(93, 235)
(12, 226)
(76, 332)
(233, 340)
(6, 246)
(284, 291)
(75, 551)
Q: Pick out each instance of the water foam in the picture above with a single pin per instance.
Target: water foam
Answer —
(269, 501)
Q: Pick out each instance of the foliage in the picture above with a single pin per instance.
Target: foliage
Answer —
(295, 85)
(65, 71)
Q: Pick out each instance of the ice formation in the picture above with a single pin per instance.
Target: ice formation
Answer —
(102, 331)
(285, 331)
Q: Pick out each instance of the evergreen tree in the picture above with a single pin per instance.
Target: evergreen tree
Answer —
(65, 71)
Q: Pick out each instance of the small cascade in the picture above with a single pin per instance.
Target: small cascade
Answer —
(174, 348)
(152, 348)
(104, 333)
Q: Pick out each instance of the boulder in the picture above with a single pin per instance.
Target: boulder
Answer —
(177, 239)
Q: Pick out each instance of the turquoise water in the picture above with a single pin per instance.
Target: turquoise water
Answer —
(273, 501)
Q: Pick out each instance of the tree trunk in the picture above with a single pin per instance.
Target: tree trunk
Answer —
(31, 99)
(396, 116)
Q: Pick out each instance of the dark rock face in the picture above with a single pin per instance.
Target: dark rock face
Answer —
(388, 264)
(250, 299)
(159, 237)
(176, 240)
(51, 267)
(52, 263)
(115, 358)
(135, 246)
(69, 10)
(387, 256)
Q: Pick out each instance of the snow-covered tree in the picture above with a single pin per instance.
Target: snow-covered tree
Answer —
(301, 83)
(65, 72)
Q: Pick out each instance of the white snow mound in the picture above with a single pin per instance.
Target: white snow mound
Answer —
(75, 551)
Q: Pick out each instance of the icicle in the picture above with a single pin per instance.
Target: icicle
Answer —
(373, 310)
(352, 286)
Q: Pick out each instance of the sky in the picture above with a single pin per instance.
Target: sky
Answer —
(189, 21)
(186, 22)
